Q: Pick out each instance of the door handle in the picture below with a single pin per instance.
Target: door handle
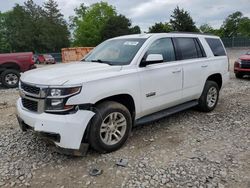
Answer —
(176, 71)
(204, 66)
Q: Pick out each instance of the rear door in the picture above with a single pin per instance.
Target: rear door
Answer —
(195, 66)
(161, 83)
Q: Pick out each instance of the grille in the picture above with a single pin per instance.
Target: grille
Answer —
(29, 104)
(245, 65)
(245, 61)
(30, 89)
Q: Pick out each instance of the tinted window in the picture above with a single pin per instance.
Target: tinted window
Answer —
(163, 46)
(199, 48)
(187, 48)
(216, 46)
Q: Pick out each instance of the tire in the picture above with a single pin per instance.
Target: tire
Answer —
(239, 75)
(10, 78)
(105, 115)
(208, 102)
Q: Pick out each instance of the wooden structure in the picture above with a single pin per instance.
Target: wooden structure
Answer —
(74, 54)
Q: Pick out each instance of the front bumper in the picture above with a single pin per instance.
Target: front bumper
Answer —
(241, 70)
(69, 128)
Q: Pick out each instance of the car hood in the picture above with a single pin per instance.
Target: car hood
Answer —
(245, 57)
(69, 73)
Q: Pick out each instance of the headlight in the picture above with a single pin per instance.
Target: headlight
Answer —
(63, 92)
(55, 92)
(57, 98)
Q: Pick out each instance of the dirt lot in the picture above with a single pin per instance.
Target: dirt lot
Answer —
(189, 149)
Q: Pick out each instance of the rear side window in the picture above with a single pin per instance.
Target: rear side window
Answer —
(163, 46)
(216, 47)
(188, 48)
(199, 48)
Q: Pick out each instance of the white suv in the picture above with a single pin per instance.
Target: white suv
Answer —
(124, 81)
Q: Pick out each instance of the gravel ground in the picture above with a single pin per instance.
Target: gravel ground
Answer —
(188, 149)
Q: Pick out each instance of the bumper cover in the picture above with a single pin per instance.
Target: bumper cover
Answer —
(70, 128)
(241, 70)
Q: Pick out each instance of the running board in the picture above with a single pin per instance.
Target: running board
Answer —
(166, 112)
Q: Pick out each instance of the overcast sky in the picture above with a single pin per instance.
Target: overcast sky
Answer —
(146, 12)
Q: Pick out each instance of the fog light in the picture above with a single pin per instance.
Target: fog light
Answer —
(56, 102)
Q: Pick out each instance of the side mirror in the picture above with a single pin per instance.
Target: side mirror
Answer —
(151, 59)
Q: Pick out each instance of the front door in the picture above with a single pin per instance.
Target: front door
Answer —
(161, 83)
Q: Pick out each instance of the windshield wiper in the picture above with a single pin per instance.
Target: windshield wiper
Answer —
(101, 61)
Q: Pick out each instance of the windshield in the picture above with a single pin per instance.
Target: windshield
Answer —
(248, 53)
(115, 52)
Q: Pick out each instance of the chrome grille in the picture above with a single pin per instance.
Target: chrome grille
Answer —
(30, 89)
(30, 105)
(32, 97)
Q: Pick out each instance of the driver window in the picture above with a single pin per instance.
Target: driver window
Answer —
(163, 46)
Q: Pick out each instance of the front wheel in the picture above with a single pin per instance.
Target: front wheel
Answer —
(10, 78)
(209, 97)
(110, 127)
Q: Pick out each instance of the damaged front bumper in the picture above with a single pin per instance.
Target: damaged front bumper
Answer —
(65, 131)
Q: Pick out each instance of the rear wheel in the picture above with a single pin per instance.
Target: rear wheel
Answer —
(239, 75)
(10, 78)
(110, 127)
(209, 97)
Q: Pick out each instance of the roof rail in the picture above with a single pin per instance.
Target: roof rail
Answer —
(197, 33)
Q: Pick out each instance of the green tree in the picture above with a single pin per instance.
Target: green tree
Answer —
(182, 21)
(90, 23)
(33, 28)
(18, 30)
(160, 28)
(230, 26)
(206, 28)
(218, 32)
(33, 25)
(117, 26)
(4, 45)
(79, 16)
(244, 27)
(135, 30)
(54, 28)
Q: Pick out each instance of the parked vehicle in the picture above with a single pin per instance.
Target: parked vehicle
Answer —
(12, 64)
(124, 81)
(45, 59)
(242, 66)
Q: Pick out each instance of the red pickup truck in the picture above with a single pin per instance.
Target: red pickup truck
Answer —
(12, 64)
(242, 66)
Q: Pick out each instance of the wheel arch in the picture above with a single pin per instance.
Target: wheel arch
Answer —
(125, 99)
(10, 65)
(216, 78)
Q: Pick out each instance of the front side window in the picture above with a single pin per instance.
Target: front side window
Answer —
(164, 47)
(216, 46)
(115, 52)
